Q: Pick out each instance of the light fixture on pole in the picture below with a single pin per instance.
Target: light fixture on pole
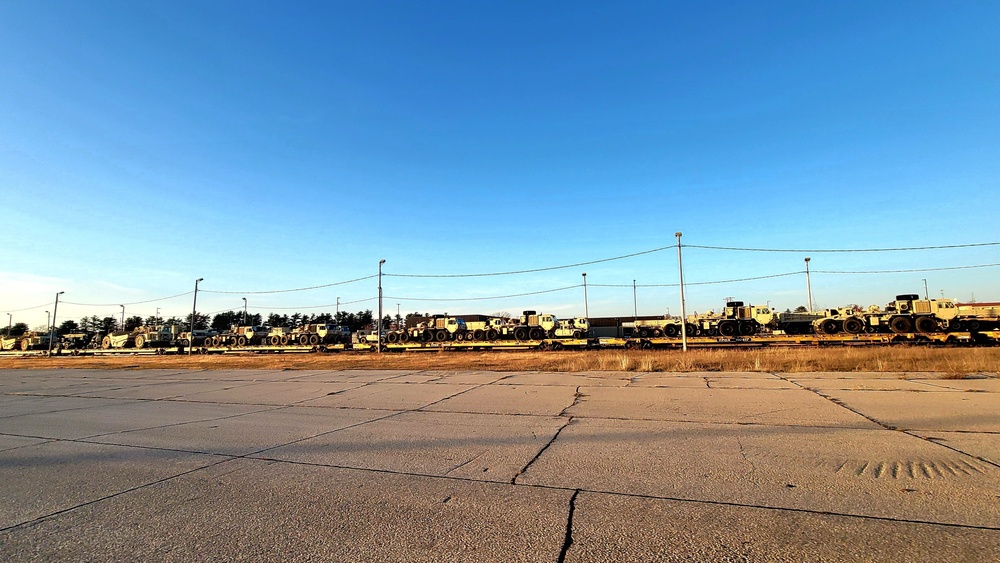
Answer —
(809, 289)
(123, 317)
(53, 323)
(680, 274)
(194, 310)
(244, 323)
(379, 323)
(157, 317)
(586, 307)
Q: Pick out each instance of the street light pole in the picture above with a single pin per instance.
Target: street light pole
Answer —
(635, 304)
(194, 310)
(586, 306)
(48, 320)
(338, 307)
(925, 289)
(156, 319)
(10, 323)
(53, 323)
(379, 324)
(680, 273)
(809, 289)
(123, 317)
(244, 323)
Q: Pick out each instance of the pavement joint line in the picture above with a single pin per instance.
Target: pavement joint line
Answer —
(625, 495)
(513, 480)
(51, 515)
(392, 414)
(952, 448)
(421, 409)
(568, 538)
(186, 422)
(843, 405)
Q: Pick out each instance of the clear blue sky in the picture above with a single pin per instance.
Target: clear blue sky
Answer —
(280, 145)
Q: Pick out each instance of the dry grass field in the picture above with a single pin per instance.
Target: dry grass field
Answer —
(948, 362)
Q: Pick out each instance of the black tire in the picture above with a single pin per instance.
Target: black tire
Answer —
(520, 333)
(404, 337)
(303, 339)
(577, 334)
(728, 328)
(853, 325)
(901, 325)
(657, 333)
(313, 339)
(643, 333)
(746, 328)
(441, 335)
(925, 324)
(829, 326)
(692, 329)
(492, 334)
(536, 333)
(241, 340)
(671, 331)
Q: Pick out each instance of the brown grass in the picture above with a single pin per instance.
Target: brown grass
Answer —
(947, 362)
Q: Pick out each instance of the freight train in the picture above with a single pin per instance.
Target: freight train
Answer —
(906, 314)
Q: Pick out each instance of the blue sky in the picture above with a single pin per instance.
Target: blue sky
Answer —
(271, 146)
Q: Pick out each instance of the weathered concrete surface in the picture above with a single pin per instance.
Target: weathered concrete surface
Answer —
(412, 465)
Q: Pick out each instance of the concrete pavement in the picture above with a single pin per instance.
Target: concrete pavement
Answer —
(483, 466)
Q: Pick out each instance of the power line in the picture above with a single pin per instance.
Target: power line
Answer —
(316, 306)
(531, 271)
(291, 290)
(28, 308)
(699, 283)
(485, 298)
(818, 250)
(131, 303)
(907, 271)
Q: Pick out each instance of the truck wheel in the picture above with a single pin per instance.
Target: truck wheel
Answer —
(901, 325)
(140, 341)
(670, 331)
(926, 324)
(441, 335)
(727, 328)
(404, 337)
(492, 334)
(106, 343)
(391, 338)
(577, 334)
(657, 333)
(853, 325)
(643, 333)
(829, 326)
(313, 339)
(536, 333)
(241, 341)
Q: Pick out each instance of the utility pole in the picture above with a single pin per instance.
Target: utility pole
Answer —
(809, 290)
(123, 317)
(586, 307)
(635, 304)
(925, 289)
(680, 273)
(379, 323)
(194, 313)
(53, 323)
(244, 323)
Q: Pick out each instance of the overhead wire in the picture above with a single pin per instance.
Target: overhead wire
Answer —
(533, 270)
(292, 290)
(28, 308)
(820, 250)
(128, 303)
(485, 298)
